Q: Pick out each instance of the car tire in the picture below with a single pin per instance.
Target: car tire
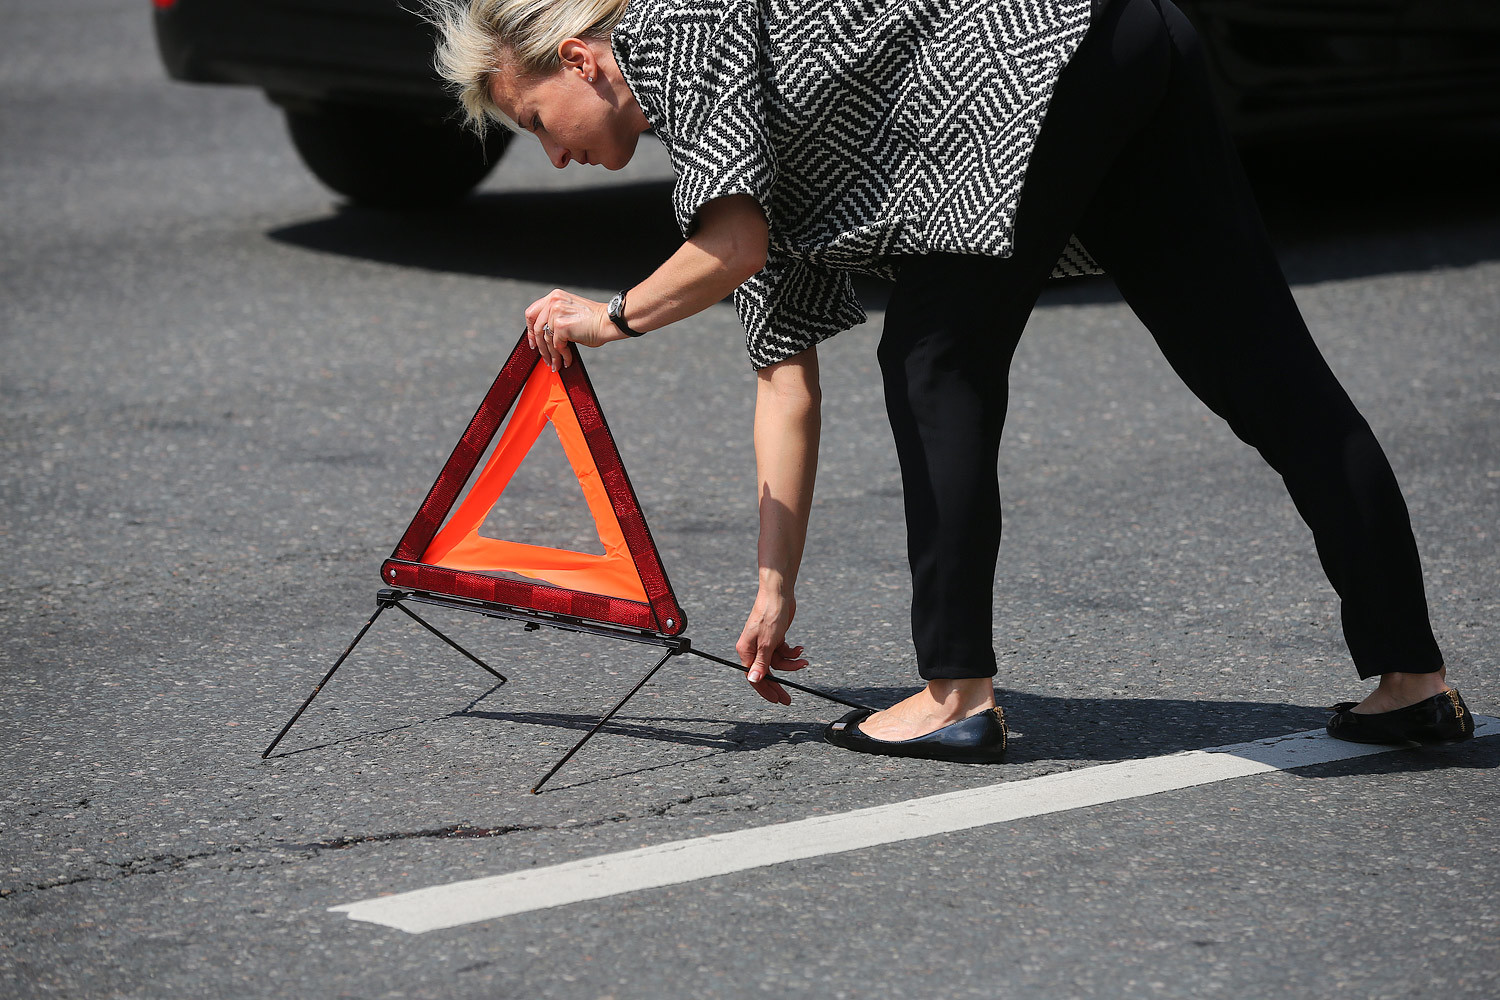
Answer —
(390, 159)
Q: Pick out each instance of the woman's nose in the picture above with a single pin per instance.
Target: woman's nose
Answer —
(557, 154)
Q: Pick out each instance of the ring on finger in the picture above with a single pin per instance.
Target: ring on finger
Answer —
(547, 329)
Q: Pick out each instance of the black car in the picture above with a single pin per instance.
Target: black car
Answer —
(364, 106)
(370, 118)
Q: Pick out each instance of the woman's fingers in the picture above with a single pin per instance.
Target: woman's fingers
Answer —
(557, 321)
(771, 691)
(763, 647)
(761, 659)
(548, 317)
(534, 321)
(746, 647)
(549, 343)
(789, 658)
(765, 685)
(562, 353)
(755, 657)
(785, 658)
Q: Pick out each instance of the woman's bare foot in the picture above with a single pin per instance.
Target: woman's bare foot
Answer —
(940, 704)
(1396, 690)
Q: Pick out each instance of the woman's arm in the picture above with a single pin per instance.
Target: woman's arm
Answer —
(728, 246)
(788, 421)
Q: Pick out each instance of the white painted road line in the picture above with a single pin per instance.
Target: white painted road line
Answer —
(681, 861)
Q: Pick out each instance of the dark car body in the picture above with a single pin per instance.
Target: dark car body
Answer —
(1280, 67)
(304, 51)
(1286, 66)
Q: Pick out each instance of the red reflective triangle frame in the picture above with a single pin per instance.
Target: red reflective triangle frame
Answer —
(659, 613)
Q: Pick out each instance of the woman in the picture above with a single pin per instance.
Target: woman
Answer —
(812, 139)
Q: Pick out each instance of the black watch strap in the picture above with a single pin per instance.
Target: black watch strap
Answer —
(617, 315)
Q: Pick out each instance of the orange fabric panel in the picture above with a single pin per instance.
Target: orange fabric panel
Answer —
(459, 545)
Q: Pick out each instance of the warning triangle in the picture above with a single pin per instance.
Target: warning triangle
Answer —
(445, 552)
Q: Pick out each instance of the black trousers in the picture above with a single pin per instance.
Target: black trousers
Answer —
(1134, 159)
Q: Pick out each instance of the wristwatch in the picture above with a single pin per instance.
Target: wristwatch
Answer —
(617, 315)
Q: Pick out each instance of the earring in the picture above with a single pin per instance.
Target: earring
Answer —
(591, 79)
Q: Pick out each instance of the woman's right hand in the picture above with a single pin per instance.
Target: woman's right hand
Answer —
(729, 245)
(560, 318)
(763, 646)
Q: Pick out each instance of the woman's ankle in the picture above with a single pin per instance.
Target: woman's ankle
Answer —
(1419, 686)
(959, 698)
(1399, 689)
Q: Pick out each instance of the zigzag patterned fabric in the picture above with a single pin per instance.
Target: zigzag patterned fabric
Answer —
(865, 129)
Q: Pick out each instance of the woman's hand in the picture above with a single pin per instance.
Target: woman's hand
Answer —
(560, 318)
(763, 647)
(729, 245)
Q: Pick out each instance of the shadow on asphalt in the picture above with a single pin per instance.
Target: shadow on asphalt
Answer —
(736, 735)
(1044, 729)
(523, 235)
(1337, 209)
(371, 734)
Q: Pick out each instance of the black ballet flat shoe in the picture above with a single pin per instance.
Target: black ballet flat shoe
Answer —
(1441, 719)
(979, 739)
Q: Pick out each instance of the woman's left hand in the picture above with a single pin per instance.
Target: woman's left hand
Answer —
(560, 318)
(763, 646)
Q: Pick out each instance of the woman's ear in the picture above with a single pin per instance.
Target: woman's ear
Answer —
(578, 57)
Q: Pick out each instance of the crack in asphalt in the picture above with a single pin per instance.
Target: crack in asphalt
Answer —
(282, 853)
(151, 864)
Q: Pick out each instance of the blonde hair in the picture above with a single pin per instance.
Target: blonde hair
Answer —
(479, 38)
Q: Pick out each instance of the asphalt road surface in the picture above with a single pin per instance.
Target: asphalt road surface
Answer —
(224, 394)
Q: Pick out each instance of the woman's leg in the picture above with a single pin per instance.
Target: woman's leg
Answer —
(951, 327)
(1133, 158)
(945, 393)
(1175, 225)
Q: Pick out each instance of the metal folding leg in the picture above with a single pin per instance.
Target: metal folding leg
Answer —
(384, 599)
(380, 607)
(423, 622)
(671, 652)
(674, 646)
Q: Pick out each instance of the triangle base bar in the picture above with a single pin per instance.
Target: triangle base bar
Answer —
(541, 599)
(674, 645)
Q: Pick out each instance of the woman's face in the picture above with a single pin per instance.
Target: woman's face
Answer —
(578, 120)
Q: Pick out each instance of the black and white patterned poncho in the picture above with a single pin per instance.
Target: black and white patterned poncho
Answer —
(864, 128)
